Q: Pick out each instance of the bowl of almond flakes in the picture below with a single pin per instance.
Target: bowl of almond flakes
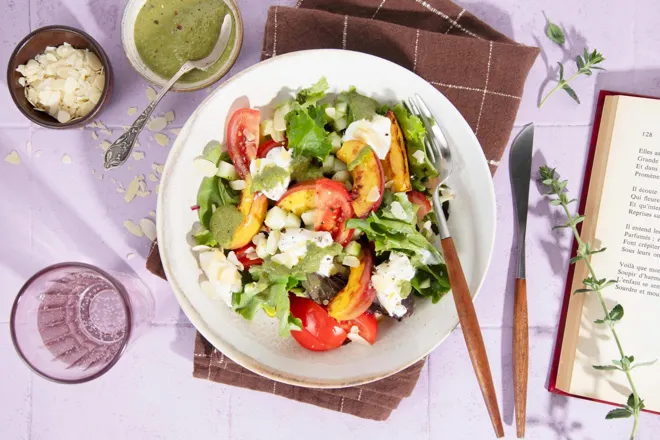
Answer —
(59, 77)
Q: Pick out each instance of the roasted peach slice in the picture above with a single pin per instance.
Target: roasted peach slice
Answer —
(367, 173)
(395, 165)
(354, 299)
(253, 206)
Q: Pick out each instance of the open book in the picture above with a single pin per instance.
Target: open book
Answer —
(622, 209)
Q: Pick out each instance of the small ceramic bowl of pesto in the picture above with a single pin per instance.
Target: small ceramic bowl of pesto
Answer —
(160, 35)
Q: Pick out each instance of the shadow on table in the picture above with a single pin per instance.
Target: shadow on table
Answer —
(491, 14)
(184, 342)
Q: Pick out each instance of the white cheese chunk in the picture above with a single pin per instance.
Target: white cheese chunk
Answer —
(391, 280)
(280, 157)
(375, 133)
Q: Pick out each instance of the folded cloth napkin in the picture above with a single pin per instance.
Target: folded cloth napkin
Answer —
(480, 70)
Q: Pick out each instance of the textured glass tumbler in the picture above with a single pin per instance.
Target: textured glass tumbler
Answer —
(71, 322)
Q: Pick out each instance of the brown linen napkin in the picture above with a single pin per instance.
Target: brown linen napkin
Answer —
(374, 401)
(480, 70)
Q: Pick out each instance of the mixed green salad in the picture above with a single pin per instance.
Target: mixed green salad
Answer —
(320, 216)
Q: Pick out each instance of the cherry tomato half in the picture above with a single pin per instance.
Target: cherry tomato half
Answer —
(242, 256)
(367, 326)
(319, 331)
(269, 145)
(242, 138)
(419, 199)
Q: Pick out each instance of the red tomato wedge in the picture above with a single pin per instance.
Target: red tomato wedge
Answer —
(319, 331)
(419, 199)
(329, 200)
(242, 256)
(367, 326)
(333, 209)
(242, 138)
(269, 145)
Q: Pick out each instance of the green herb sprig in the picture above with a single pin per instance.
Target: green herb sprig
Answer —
(593, 284)
(585, 64)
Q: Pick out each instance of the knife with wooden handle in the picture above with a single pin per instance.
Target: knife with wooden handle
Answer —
(520, 170)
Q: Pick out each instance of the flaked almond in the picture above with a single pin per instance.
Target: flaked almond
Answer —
(138, 155)
(157, 124)
(162, 139)
(169, 116)
(13, 158)
(148, 228)
(151, 94)
(133, 228)
(131, 111)
(66, 159)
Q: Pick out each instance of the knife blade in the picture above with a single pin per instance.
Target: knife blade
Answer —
(520, 170)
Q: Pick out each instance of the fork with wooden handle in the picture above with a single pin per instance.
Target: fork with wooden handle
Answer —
(439, 153)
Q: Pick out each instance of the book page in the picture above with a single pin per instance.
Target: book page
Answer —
(629, 227)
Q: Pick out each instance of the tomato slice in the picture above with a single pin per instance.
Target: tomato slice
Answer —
(242, 256)
(319, 331)
(242, 138)
(367, 326)
(333, 208)
(269, 145)
(419, 199)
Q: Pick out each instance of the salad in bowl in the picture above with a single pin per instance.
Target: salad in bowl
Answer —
(320, 217)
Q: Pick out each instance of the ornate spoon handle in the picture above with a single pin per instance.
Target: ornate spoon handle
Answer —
(122, 147)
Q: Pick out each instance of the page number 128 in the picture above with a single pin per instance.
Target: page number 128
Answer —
(647, 134)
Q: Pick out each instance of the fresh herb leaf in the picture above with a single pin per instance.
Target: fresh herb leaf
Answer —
(431, 281)
(414, 133)
(555, 33)
(619, 413)
(304, 168)
(571, 92)
(363, 154)
(213, 152)
(361, 107)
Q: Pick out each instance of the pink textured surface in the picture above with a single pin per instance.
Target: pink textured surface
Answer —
(53, 212)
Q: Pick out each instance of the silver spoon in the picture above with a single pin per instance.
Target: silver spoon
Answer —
(119, 151)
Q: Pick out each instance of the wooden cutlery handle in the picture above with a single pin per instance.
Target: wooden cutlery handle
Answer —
(520, 355)
(472, 333)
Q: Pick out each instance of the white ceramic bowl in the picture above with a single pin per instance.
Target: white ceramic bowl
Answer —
(128, 41)
(256, 345)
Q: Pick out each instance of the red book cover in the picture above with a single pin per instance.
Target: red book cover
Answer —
(571, 268)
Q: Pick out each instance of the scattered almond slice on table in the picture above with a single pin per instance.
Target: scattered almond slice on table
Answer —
(169, 116)
(175, 131)
(131, 111)
(95, 136)
(66, 159)
(152, 213)
(162, 139)
(148, 228)
(28, 147)
(133, 228)
(130, 256)
(37, 153)
(132, 190)
(151, 94)
(138, 155)
(157, 124)
(104, 145)
(13, 158)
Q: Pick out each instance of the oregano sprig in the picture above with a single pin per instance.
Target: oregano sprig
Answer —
(554, 32)
(593, 284)
(585, 66)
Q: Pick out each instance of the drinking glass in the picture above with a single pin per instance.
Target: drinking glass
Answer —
(71, 322)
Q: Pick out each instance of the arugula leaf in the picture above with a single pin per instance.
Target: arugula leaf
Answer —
(414, 133)
(313, 94)
(306, 132)
(431, 281)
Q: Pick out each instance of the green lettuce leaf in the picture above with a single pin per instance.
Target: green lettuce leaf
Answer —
(313, 94)
(408, 208)
(414, 133)
(304, 168)
(394, 235)
(306, 132)
(430, 281)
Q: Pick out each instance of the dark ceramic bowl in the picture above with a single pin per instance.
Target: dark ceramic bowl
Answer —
(34, 44)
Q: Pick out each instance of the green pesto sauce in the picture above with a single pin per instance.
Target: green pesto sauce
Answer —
(312, 260)
(303, 168)
(170, 32)
(362, 155)
(269, 178)
(224, 223)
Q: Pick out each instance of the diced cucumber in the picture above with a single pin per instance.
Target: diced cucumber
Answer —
(331, 112)
(238, 185)
(308, 218)
(353, 248)
(341, 124)
(340, 166)
(342, 176)
(292, 221)
(329, 164)
(335, 141)
(276, 218)
(341, 107)
(226, 171)
(425, 284)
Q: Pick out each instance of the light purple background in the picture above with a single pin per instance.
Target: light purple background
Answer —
(53, 212)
